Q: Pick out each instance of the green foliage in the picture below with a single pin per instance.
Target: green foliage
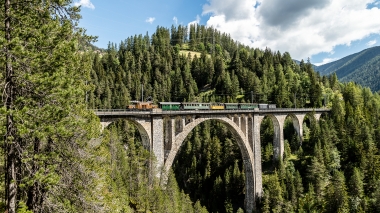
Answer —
(48, 126)
(274, 191)
(159, 63)
(211, 170)
(336, 196)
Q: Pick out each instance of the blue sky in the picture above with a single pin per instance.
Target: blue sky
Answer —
(323, 30)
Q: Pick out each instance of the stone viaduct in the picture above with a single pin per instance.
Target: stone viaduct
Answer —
(163, 133)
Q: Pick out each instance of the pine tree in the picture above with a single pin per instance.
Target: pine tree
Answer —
(275, 193)
(356, 190)
(317, 173)
(46, 123)
(336, 197)
(308, 204)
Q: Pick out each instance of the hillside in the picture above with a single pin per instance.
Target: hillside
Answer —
(362, 68)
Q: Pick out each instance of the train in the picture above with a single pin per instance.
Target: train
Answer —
(175, 106)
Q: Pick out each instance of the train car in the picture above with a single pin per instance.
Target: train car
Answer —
(217, 106)
(271, 106)
(231, 106)
(139, 105)
(195, 106)
(166, 106)
(248, 106)
(263, 106)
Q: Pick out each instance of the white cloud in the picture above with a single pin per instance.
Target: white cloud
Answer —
(175, 19)
(302, 28)
(196, 21)
(84, 3)
(371, 43)
(325, 61)
(150, 20)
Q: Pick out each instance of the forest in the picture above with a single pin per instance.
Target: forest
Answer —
(55, 158)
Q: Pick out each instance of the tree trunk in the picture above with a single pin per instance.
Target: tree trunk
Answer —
(35, 195)
(10, 136)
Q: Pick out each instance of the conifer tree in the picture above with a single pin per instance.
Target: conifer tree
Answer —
(44, 93)
(337, 198)
(356, 190)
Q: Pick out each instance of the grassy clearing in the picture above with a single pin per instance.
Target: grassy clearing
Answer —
(192, 53)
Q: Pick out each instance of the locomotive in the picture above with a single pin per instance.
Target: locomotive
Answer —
(139, 105)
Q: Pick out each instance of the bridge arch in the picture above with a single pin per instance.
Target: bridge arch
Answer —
(142, 127)
(297, 120)
(278, 121)
(278, 139)
(242, 140)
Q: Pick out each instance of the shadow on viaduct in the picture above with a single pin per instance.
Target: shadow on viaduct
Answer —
(163, 133)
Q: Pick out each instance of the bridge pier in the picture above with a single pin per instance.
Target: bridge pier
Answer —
(255, 141)
(278, 139)
(157, 143)
(297, 123)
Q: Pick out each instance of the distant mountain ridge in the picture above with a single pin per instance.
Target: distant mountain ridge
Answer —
(362, 67)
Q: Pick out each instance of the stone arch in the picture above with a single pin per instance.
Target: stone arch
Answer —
(142, 126)
(145, 136)
(314, 116)
(308, 119)
(324, 115)
(242, 140)
(278, 138)
(297, 120)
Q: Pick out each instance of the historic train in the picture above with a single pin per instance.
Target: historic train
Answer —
(167, 106)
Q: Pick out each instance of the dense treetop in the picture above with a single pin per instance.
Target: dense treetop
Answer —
(223, 71)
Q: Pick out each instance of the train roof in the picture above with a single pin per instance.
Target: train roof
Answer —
(170, 103)
(195, 103)
(135, 102)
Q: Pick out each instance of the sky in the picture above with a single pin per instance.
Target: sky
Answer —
(321, 30)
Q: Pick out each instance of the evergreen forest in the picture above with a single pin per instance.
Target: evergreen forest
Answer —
(55, 158)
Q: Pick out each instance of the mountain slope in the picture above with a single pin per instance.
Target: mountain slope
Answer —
(362, 68)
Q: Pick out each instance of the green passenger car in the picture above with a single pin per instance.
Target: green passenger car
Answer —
(166, 106)
(231, 106)
(248, 106)
(196, 106)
